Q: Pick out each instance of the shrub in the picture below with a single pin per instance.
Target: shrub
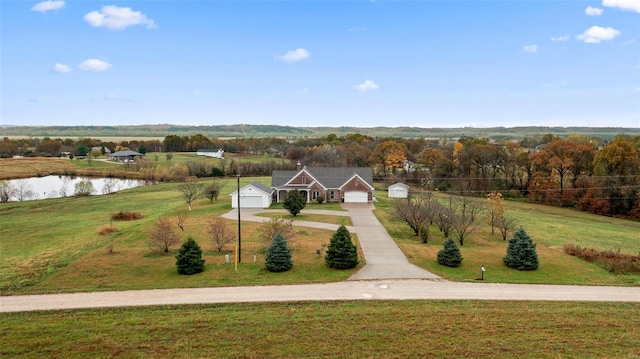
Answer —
(106, 230)
(278, 257)
(126, 216)
(341, 252)
(613, 261)
(320, 199)
(294, 203)
(521, 252)
(450, 255)
(189, 258)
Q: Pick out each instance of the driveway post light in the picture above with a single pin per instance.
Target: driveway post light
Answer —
(482, 272)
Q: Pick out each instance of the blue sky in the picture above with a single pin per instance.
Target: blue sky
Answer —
(321, 63)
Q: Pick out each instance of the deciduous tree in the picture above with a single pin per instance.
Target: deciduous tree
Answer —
(191, 190)
(163, 236)
(274, 226)
(220, 233)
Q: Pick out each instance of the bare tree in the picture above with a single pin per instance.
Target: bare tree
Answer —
(6, 191)
(212, 189)
(269, 229)
(465, 212)
(163, 236)
(181, 218)
(504, 225)
(109, 185)
(23, 191)
(443, 217)
(191, 190)
(84, 188)
(415, 212)
(220, 233)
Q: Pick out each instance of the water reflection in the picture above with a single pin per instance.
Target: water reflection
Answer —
(63, 186)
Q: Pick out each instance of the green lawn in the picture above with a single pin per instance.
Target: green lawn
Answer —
(549, 227)
(358, 329)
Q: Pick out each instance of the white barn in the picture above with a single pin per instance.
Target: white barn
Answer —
(215, 153)
(253, 195)
(398, 190)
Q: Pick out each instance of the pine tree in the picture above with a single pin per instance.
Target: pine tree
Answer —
(189, 258)
(294, 202)
(450, 255)
(521, 252)
(341, 252)
(279, 255)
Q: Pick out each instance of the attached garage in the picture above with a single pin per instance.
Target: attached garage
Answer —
(356, 197)
(253, 195)
(398, 190)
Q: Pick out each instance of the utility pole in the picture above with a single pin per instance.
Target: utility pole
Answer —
(239, 254)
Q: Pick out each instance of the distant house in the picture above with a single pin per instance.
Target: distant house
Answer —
(253, 195)
(100, 148)
(125, 156)
(215, 153)
(332, 184)
(398, 190)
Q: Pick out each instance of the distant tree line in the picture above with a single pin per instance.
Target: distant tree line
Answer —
(600, 176)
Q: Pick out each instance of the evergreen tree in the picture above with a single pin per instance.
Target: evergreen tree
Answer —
(294, 202)
(279, 255)
(521, 252)
(450, 255)
(189, 258)
(341, 252)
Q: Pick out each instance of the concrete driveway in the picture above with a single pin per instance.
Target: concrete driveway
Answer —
(384, 260)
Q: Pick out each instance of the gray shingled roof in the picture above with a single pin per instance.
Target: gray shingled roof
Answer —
(125, 153)
(330, 177)
(258, 185)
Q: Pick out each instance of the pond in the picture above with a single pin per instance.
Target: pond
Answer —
(64, 186)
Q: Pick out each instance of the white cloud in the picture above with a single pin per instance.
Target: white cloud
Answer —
(561, 38)
(632, 5)
(597, 34)
(61, 68)
(294, 55)
(49, 5)
(593, 11)
(118, 18)
(530, 48)
(94, 65)
(366, 86)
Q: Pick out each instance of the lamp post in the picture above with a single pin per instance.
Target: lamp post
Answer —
(239, 254)
(482, 270)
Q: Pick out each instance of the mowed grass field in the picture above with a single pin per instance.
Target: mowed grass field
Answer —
(358, 329)
(550, 227)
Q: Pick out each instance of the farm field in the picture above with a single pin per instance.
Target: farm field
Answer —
(358, 329)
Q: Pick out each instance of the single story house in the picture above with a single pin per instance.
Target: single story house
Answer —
(125, 156)
(215, 153)
(398, 190)
(332, 184)
(253, 195)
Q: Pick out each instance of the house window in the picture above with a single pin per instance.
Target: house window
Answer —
(315, 195)
(331, 195)
(304, 180)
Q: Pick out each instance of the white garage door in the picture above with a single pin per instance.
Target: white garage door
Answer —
(356, 197)
(250, 201)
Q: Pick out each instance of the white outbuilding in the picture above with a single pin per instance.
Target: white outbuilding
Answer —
(398, 190)
(253, 195)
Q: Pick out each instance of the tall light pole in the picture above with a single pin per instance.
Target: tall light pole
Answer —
(239, 231)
